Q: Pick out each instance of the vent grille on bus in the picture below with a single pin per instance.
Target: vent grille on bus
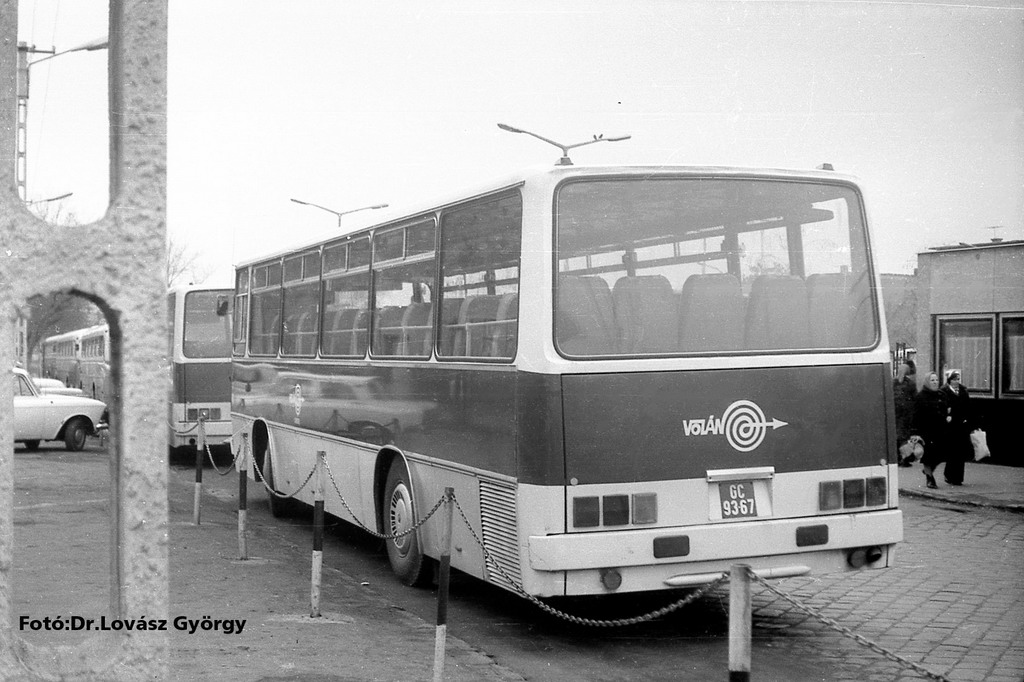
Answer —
(499, 523)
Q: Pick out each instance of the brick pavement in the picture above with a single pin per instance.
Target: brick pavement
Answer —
(954, 602)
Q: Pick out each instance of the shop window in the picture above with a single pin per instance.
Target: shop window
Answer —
(1012, 382)
(966, 344)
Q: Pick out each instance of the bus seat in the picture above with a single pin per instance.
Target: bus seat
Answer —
(711, 313)
(828, 310)
(646, 314)
(452, 342)
(265, 337)
(507, 327)
(417, 324)
(477, 320)
(387, 330)
(862, 324)
(306, 335)
(338, 333)
(586, 318)
(776, 313)
(360, 333)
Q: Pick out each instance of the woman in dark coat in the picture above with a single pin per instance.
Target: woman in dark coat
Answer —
(931, 423)
(904, 388)
(960, 448)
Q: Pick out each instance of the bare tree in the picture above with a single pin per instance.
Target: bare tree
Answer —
(56, 313)
(183, 264)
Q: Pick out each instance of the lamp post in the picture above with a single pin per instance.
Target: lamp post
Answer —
(24, 50)
(339, 213)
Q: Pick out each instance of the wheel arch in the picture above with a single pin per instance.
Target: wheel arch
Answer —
(386, 458)
(259, 442)
(90, 426)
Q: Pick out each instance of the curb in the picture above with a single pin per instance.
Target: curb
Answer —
(1008, 506)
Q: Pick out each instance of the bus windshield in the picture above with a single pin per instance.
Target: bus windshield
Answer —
(666, 266)
(207, 329)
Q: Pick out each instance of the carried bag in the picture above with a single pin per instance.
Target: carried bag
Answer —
(912, 450)
(980, 443)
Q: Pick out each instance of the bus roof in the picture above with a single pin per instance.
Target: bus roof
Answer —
(186, 288)
(398, 214)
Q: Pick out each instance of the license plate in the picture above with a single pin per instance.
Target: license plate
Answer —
(738, 499)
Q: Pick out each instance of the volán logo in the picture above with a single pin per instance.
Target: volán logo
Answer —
(743, 424)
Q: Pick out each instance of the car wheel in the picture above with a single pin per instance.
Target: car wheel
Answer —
(75, 434)
(404, 553)
(31, 444)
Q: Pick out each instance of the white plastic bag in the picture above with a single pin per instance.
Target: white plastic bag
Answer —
(980, 443)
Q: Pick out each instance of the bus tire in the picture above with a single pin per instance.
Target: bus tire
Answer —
(31, 444)
(404, 553)
(75, 434)
(280, 508)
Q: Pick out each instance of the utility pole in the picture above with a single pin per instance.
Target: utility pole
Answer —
(24, 50)
(21, 157)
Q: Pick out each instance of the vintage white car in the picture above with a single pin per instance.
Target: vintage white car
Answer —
(55, 387)
(39, 416)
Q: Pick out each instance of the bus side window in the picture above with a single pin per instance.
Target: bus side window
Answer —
(480, 252)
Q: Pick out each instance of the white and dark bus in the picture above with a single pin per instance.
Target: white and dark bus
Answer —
(199, 328)
(80, 358)
(199, 353)
(632, 377)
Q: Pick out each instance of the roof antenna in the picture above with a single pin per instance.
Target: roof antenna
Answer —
(565, 160)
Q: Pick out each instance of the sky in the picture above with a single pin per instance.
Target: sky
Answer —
(350, 104)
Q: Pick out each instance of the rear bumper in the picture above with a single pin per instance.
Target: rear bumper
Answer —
(713, 542)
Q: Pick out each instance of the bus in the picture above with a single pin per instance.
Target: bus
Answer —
(60, 357)
(199, 328)
(199, 350)
(632, 377)
(80, 358)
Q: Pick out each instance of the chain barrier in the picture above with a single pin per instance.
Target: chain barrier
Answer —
(231, 467)
(259, 475)
(697, 594)
(374, 533)
(618, 622)
(847, 632)
(176, 432)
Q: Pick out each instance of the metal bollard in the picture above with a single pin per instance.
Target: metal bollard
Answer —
(443, 576)
(243, 482)
(739, 623)
(318, 535)
(200, 450)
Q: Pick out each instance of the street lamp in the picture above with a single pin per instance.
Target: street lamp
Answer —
(565, 160)
(24, 50)
(339, 213)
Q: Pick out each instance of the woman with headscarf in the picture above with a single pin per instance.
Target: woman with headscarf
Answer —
(904, 388)
(960, 448)
(932, 423)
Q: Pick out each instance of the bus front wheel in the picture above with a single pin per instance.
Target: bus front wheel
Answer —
(404, 553)
(280, 507)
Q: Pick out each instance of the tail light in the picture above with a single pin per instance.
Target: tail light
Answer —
(852, 493)
(615, 510)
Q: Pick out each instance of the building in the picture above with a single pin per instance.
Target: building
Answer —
(971, 317)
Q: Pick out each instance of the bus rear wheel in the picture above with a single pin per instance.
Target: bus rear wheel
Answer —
(404, 553)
